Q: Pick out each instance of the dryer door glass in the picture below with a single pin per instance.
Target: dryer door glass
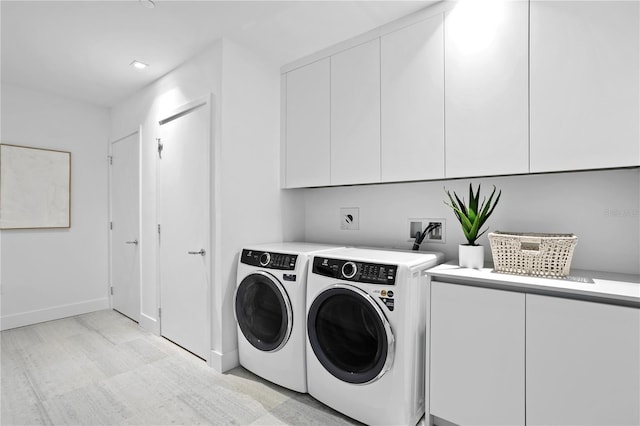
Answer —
(350, 335)
(263, 311)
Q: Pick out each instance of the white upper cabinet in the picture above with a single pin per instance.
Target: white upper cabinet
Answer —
(307, 124)
(486, 97)
(585, 84)
(355, 115)
(412, 92)
(493, 87)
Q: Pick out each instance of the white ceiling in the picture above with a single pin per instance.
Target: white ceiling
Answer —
(82, 49)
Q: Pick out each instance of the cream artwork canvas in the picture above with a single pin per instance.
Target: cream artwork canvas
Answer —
(35, 188)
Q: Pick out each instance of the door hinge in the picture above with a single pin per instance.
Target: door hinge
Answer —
(159, 313)
(160, 147)
(158, 229)
(111, 226)
(111, 290)
(110, 157)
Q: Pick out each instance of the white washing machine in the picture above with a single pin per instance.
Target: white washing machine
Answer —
(270, 311)
(366, 343)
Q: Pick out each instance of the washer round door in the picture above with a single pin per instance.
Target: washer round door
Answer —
(263, 311)
(350, 334)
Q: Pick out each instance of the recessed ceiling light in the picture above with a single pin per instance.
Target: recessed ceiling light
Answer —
(138, 64)
(149, 4)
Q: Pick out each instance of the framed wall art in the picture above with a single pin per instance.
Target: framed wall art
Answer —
(35, 188)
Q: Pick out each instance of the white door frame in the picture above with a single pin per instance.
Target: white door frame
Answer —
(212, 255)
(138, 132)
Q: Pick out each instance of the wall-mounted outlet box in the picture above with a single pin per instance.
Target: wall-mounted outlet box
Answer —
(350, 218)
(435, 233)
(416, 225)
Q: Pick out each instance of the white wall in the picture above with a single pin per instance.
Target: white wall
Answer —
(52, 273)
(253, 207)
(248, 205)
(600, 207)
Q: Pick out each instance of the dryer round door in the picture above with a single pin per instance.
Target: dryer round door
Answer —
(263, 311)
(350, 335)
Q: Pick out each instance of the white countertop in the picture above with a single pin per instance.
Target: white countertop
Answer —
(597, 286)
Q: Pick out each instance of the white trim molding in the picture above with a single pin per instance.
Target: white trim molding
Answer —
(49, 314)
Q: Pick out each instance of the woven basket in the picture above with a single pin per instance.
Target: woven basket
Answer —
(546, 255)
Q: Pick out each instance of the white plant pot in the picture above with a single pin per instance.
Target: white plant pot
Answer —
(471, 256)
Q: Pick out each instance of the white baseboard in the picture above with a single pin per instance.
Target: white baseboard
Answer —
(224, 362)
(56, 312)
(149, 324)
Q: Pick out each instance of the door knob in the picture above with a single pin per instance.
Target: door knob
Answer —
(201, 252)
(132, 242)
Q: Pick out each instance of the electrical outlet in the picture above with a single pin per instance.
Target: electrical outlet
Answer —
(350, 218)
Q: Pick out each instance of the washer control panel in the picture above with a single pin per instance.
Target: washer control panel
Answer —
(270, 260)
(351, 270)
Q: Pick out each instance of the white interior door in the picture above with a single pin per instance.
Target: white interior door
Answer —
(125, 226)
(184, 191)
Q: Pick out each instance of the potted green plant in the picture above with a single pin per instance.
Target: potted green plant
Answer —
(472, 217)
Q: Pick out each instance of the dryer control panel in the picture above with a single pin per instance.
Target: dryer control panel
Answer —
(352, 270)
(270, 260)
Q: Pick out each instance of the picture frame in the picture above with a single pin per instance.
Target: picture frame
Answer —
(35, 188)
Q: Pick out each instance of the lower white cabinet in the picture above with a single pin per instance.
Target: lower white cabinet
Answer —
(477, 355)
(496, 355)
(583, 363)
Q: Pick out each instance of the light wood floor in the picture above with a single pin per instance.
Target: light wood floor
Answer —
(102, 369)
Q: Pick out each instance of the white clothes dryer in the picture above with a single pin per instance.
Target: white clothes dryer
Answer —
(366, 343)
(269, 307)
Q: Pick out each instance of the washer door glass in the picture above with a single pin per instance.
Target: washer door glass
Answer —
(350, 335)
(263, 311)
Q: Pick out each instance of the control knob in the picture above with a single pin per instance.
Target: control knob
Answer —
(265, 258)
(349, 270)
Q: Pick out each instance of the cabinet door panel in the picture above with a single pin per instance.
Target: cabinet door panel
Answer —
(412, 91)
(585, 84)
(477, 355)
(583, 363)
(307, 112)
(355, 115)
(486, 88)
